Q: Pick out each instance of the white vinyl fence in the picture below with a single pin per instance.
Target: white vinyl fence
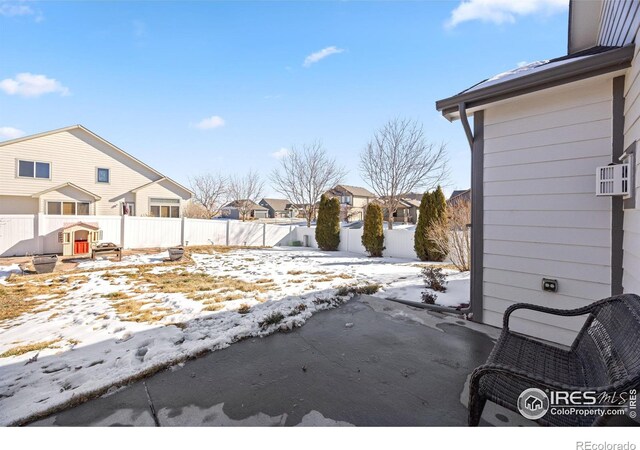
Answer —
(29, 234)
(398, 243)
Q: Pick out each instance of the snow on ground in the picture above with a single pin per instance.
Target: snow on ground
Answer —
(100, 328)
(5, 271)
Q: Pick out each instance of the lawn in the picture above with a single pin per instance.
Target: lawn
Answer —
(66, 336)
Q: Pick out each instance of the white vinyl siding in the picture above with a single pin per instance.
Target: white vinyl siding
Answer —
(541, 215)
(631, 243)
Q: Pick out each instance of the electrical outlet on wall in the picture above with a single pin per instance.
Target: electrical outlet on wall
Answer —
(549, 285)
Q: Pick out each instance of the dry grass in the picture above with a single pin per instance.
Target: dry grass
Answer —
(131, 310)
(116, 295)
(244, 308)
(15, 299)
(21, 350)
(210, 249)
(295, 272)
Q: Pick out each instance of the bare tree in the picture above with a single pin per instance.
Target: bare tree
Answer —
(306, 172)
(453, 236)
(245, 191)
(210, 191)
(193, 210)
(398, 159)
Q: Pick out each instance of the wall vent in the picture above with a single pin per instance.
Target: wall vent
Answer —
(612, 180)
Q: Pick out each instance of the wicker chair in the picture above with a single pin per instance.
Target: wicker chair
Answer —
(605, 357)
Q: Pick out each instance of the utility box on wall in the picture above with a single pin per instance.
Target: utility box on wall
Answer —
(612, 180)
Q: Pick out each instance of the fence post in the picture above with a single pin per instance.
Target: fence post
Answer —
(182, 232)
(264, 234)
(39, 218)
(228, 224)
(123, 227)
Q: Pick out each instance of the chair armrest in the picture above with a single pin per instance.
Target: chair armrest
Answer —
(558, 312)
(512, 371)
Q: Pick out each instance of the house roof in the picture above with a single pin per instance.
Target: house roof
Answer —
(92, 134)
(354, 190)
(460, 195)
(278, 204)
(539, 75)
(148, 184)
(253, 205)
(67, 184)
(410, 202)
(80, 224)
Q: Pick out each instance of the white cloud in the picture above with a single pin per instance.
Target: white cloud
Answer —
(30, 85)
(19, 8)
(279, 154)
(210, 123)
(10, 133)
(502, 11)
(321, 54)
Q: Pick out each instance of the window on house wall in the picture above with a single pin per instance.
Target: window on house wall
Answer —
(164, 207)
(34, 169)
(345, 199)
(128, 209)
(103, 175)
(68, 208)
(83, 208)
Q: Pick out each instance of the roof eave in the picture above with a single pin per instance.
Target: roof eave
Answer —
(600, 64)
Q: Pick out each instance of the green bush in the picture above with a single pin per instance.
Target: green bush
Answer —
(373, 234)
(439, 216)
(433, 208)
(328, 224)
(420, 236)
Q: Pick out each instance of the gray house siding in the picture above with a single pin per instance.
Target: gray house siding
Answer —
(541, 215)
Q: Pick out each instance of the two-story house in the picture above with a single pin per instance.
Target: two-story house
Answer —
(353, 201)
(73, 171)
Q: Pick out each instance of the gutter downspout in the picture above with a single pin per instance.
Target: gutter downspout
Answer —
(462, 108)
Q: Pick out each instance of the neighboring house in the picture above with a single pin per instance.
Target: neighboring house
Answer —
(72, 171)
(407, 212)
(232, 210)
(539, 133)
(457, 196)
(279, 208)
(353, 201)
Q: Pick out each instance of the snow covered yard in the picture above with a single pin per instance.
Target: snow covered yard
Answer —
(66, 336)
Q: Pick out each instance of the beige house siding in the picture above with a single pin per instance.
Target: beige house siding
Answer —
(14, 204)
(162, 189)
(631, 242)
(75, 156)
(541, 215)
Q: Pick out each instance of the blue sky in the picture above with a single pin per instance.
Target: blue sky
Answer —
(194, 87)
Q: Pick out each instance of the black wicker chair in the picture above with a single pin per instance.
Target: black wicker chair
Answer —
(605, 357)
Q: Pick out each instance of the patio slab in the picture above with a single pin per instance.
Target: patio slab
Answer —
(370, 362)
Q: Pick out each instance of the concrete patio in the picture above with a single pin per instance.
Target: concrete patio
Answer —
(370, 362)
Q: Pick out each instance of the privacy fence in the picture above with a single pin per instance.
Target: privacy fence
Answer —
(31, 234)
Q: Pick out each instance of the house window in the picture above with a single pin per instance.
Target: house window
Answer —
(83, 208)
(104, 175)
(34, 169)
(164, 207)
(345, 199)
(128, 209)
(68, 208)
